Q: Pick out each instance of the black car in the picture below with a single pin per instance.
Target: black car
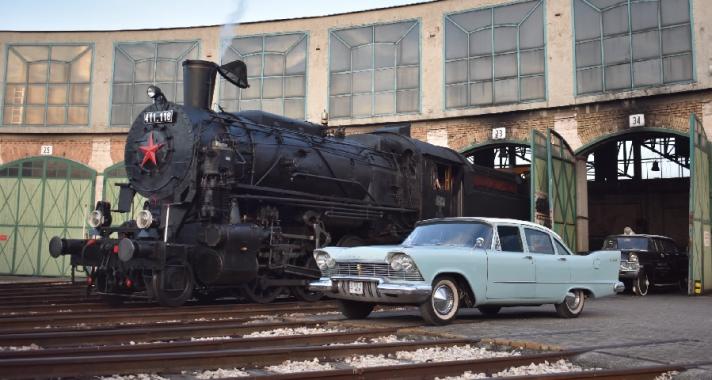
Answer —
(649, 260)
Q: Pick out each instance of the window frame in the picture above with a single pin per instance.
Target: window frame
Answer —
(92, 51)
(631, 61)
(197, 43)
(222, 47)
(519, 76)
(418, 25)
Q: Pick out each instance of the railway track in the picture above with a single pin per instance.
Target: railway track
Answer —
(81, 338)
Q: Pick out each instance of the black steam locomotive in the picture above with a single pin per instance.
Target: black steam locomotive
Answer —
(238, 201)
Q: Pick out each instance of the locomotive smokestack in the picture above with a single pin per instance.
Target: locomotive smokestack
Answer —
(198, 83)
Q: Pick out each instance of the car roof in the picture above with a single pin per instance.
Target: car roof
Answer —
(488, 220)
(639, 235)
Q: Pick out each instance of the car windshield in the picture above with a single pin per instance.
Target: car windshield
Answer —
(632, 243)
(450, 234)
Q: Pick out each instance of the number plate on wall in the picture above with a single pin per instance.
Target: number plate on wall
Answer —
(637, 120)
(46, 150)
(499, 133)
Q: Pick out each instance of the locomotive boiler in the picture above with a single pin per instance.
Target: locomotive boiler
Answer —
(238, 201)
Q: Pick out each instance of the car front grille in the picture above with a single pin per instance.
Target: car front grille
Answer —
(358, 269)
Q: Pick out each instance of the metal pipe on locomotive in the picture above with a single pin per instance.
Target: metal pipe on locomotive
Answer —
(238, 201)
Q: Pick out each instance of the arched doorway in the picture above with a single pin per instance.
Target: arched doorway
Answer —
(638, 178)
(41, 197)
(546, 167)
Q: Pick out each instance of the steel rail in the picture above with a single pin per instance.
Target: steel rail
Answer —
(146, 315)
(151, 307)
(197, 345)
(91, 365)
(138, 334)
(432, 370)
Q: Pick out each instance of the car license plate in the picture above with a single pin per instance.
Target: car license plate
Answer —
(356, 287)
(158, 117)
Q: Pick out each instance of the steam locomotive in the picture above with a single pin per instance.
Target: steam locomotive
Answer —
(238, 201)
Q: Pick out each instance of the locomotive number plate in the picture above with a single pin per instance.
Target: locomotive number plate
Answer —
(356, 287)
(158, 117)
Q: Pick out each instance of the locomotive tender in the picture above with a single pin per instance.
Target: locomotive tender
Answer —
(238, 201)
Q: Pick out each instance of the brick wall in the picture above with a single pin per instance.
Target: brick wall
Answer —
(592, 121)
(583, 123)
(75, 148)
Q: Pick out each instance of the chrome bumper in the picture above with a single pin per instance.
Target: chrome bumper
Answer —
(375, 290)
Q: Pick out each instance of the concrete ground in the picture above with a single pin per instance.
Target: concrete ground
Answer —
(661, 328)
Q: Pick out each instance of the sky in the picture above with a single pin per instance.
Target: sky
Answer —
(54, 15)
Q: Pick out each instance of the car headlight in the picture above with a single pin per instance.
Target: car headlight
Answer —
(402, 262)
(144, 219)
(633, 258)
(95, 218)
(324, 261)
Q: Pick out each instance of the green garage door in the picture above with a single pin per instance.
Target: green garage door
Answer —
(553, 186)
(112, 176)
(40, 198)
(700, 249)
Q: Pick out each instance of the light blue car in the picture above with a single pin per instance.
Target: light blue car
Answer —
(449, 263)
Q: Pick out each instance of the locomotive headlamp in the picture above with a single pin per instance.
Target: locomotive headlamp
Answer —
(402, 262)
(144, 219)
(153, 91)
(101, 216)
(95, 218)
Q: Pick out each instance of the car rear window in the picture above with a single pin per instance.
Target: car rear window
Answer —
(632, 243)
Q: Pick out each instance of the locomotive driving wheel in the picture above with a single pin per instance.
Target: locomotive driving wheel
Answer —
(256, 292)
(173, 286)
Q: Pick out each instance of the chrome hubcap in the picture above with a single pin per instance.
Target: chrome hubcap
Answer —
(573, 300)
(443, 299)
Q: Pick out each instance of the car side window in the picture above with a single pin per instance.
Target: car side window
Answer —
(538, 241)
(668, 246)
(561, 249)
(652, 247)
(509, 239)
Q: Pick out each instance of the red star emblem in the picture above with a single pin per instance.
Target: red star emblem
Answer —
(149, 151)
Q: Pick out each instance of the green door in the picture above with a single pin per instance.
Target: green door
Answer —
(40, 198)
(562, 187)
(700, 249)
(553, 185)
(112, 176)
(540, 203)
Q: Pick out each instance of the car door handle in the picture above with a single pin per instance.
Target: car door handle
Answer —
(527, 257)
(562, 259)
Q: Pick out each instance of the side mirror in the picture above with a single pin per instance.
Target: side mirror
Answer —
(479, 243)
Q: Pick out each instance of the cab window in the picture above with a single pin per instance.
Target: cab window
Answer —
(538, 241)
(509, 239)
